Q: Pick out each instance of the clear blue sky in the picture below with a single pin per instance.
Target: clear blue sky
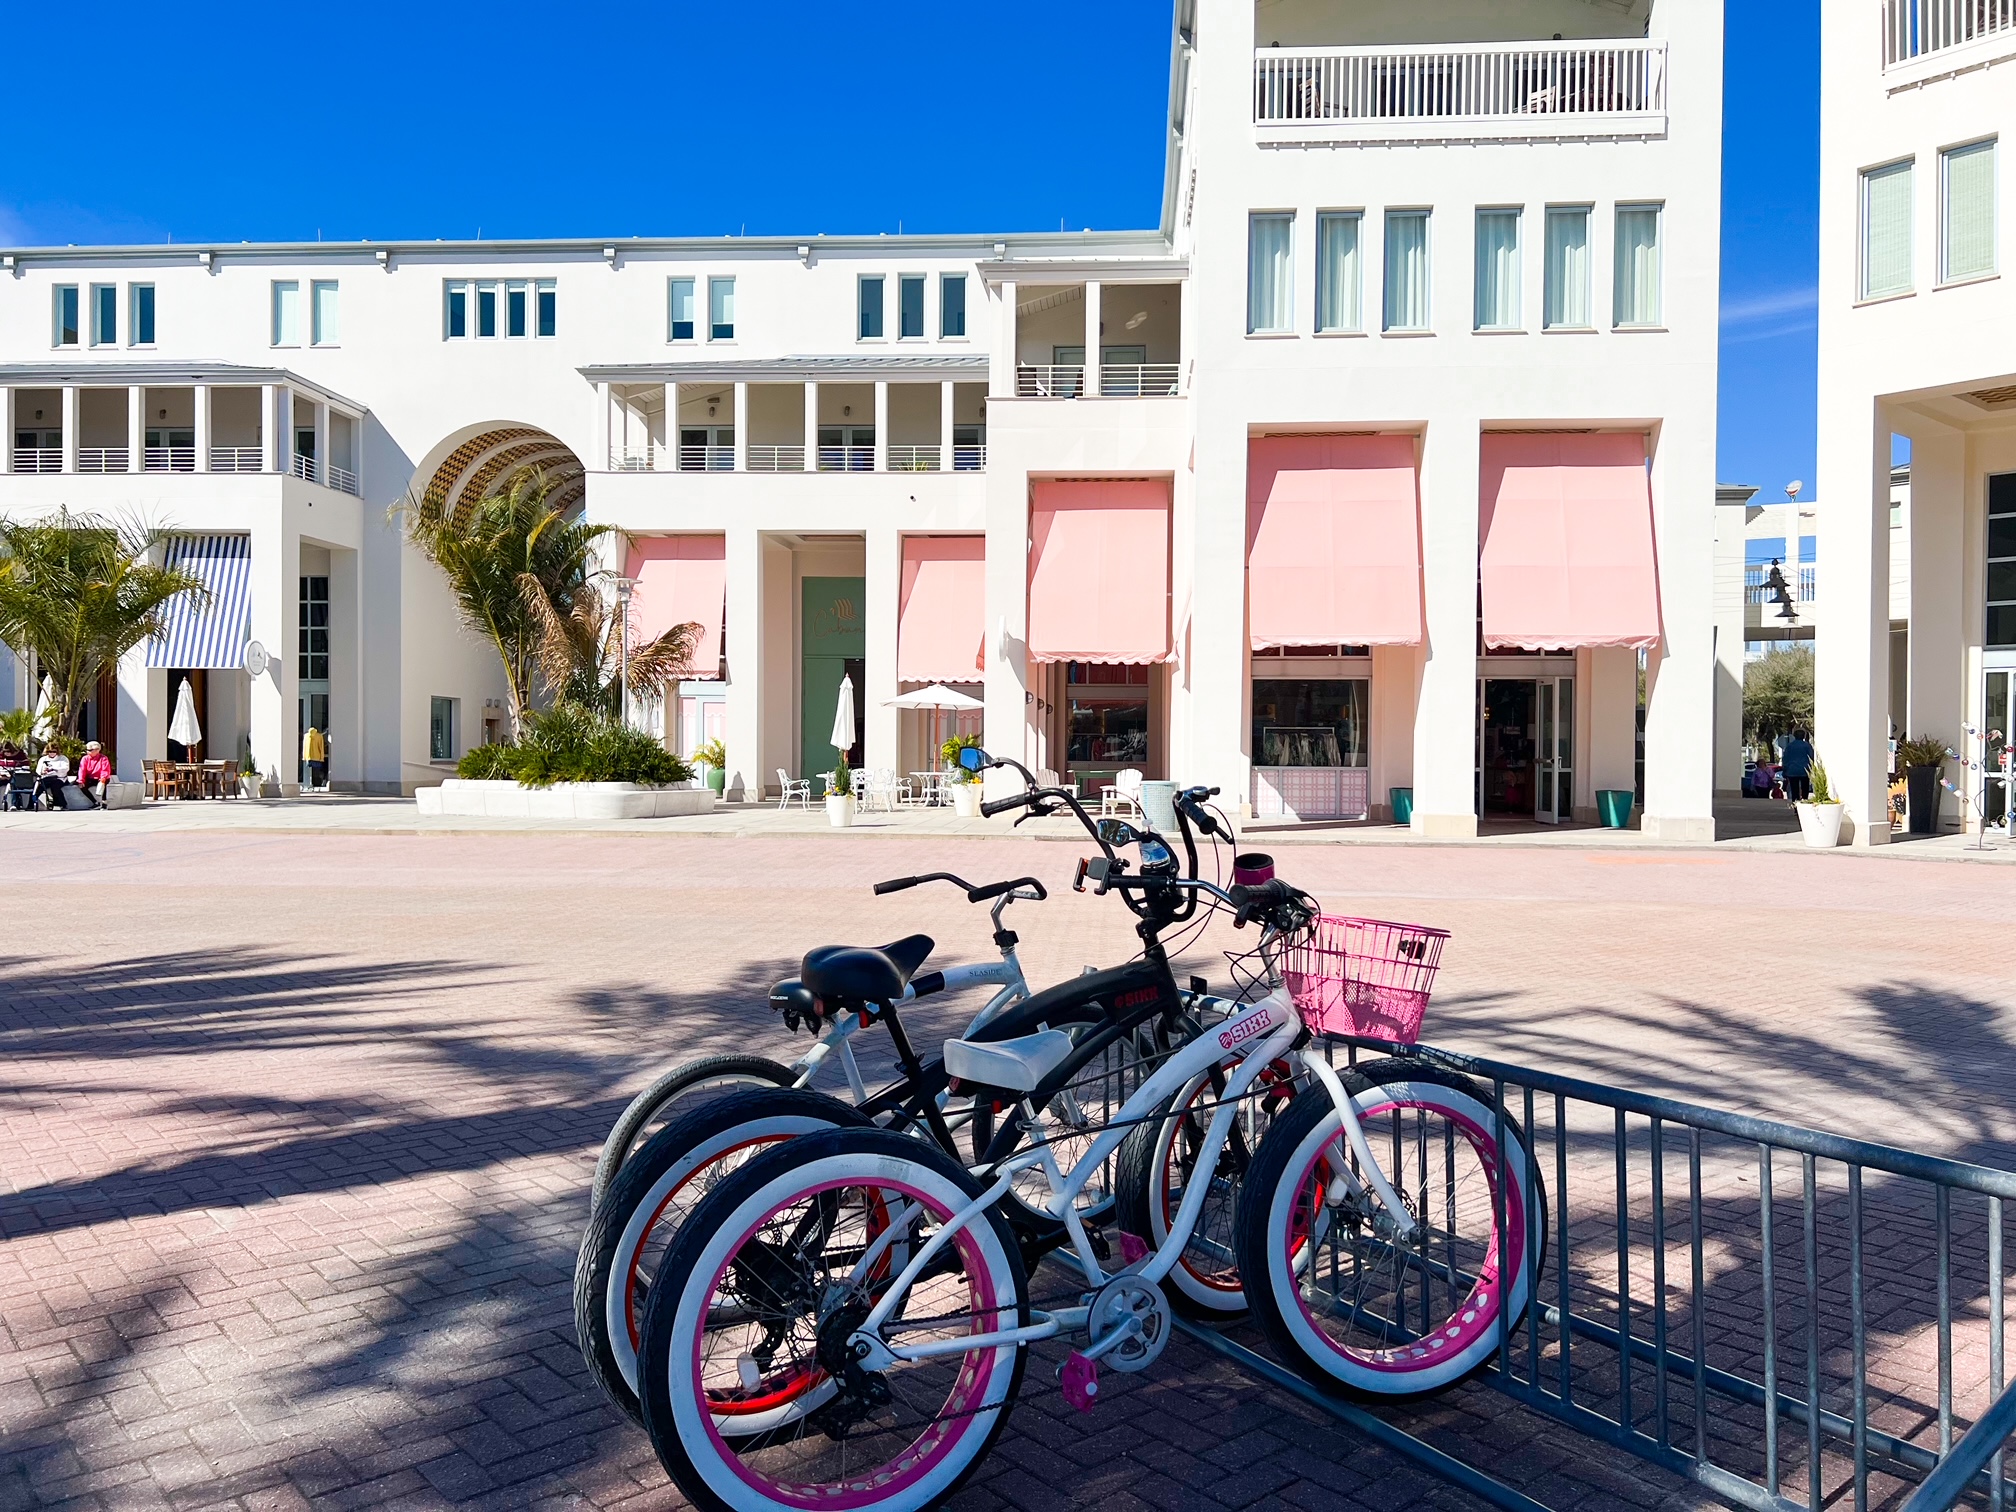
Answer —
(512, 119)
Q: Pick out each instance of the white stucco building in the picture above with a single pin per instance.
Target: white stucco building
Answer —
(1381, 463)
(1918, 340)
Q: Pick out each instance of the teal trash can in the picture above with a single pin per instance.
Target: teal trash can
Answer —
(1403, 804)
(1613, 807)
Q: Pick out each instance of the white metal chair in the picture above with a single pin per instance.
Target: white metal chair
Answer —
(1122, 795)
(878, 789)
(799, 788)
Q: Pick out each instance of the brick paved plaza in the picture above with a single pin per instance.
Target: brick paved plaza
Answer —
(298, 1130)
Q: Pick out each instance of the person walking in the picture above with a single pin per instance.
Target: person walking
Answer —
(1795, 758)
(315, 751)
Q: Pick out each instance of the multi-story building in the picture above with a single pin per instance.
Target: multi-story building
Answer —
(1917, 341)
(1383, 463)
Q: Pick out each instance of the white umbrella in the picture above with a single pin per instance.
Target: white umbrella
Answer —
(45, 722)
(934, 698)
(184, 729)
(843, 716)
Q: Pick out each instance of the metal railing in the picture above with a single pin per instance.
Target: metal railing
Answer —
(1138, 380)
(168, 459)
(1754, 591)
(1914, 28)
(914, 458)
(1479, 81)
(774, 458)
(634, 458)
(971, 458)
(304, 468)
(1049, 380)
(846, 459)
(706, 459)
(101, 459)
(344, 481)
(1788, 1318)
(38, 459)
(237, 459)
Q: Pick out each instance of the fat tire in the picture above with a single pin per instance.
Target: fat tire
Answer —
(650, 1104)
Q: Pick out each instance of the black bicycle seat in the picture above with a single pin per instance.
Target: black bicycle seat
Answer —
(862, 974)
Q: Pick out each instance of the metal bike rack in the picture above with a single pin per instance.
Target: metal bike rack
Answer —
(1748, 1304)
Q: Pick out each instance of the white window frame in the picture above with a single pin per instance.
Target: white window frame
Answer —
(97, 335)
(478, 288)
(133, 296)
(881, 282)
(293, 286)
(316, 335)
(450, 287)
(1426, 214)
(56, 294)
(734, 320)
(1356, 325)
(541, 289)
(1287, 324)
(1587, 214)
(454, 727)
(945, 280)
(1517, 215)
(1658, 210)
(1863, 293)
(923, 284)
(1991, 144)
(692, 284)
(522, 287)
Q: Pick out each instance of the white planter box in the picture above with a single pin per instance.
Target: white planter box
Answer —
(1820, 823)
(459, 798)
(122, 795)
(840, 810)
(966, 800)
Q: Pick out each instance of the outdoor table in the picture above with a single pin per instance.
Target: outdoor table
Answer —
(930, 787)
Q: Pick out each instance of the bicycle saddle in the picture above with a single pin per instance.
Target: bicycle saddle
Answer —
(1018, 1064)
(860, 974)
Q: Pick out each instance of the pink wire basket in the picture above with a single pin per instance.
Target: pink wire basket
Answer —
(1366, 977)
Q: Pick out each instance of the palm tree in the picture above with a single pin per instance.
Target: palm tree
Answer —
(581, 652)
(77, 593)
(513, 562)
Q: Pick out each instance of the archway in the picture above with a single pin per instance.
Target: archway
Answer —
(488, 457)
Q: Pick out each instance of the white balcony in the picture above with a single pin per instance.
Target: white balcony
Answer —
(345, 481)
(969, 459)
(706, 459)
(776, 458)
(913, 458)
(308, 470)
(1138, 380)
(642, 458)
(1049, 380)
(846, 459)
(237, 459)
(157, 459)
(38, 459)
(1462, 91)
(101, 459)
(1913, 29)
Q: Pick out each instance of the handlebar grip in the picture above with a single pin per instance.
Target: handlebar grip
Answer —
(995, 806)
(995, 889)
(894, 884)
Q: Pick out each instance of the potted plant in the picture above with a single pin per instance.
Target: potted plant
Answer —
(962, 784)
(1820, 816)
(248, 774)
(712, 757)
(840, 794)
(1922, 759)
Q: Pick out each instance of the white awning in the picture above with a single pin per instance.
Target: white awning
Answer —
(211, 635)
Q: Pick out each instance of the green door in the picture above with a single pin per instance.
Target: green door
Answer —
(834, 644)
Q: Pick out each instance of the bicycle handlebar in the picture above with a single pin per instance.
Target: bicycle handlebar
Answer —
(979, 894)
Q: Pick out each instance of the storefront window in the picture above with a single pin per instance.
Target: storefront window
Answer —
(1309, 722)
(1107, 710)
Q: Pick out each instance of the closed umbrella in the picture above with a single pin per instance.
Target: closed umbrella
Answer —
(45, 722)
(843, 717)
(184, 729)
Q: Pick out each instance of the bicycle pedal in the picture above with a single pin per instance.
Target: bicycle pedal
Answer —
(1078, 1378)
(1133, 1248)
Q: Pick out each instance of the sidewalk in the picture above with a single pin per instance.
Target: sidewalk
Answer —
(1744, 824)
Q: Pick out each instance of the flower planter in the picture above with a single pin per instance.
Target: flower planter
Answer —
(460, 798)
(1613, 807)
(248, 784)
(840, 810)
(966, 800)
(1820, 823)
(717, 779)
(1921, 799)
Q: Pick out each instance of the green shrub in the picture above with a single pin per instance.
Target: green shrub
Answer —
(1823, 791)
(950, 752)
(570, 744)
(712, 754)
(1921, 750)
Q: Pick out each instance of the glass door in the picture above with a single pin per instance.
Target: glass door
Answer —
(1554, 751)
(2001, 682)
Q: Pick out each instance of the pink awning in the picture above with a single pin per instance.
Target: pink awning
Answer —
(681, 579)
(1333, 541)
(941, 615)
(1099, 571)
(1567, 555)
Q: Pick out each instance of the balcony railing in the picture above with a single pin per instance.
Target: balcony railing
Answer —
(914, 458)
(1755, 593)
(1138, 380)
(969, 459)
(38, 459)
(238, 459)
(846, 459)
(304, 468)
(1914, 28)
(1051, 380)
(634, 458)
(706, 459)
(101, 459)
(769, 457)
(169, 459)
(344, 481)
(1510, 89)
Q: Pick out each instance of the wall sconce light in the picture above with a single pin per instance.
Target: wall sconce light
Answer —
(38, 414)
(164, 414)
(846, 409)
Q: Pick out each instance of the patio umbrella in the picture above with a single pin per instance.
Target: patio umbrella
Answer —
(45, 722)
(843, 716)
(934, 698)
(184, 729)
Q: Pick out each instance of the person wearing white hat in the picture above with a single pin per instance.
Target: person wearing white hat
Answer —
(94, 772)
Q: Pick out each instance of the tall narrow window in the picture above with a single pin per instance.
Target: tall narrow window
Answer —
(515, 313)
(910, 305)
(1567, 297)
(1497, 294)
(441, 729)
(140, 322)
(486, 309)
(952, 305)
(1637, 272)
(2001, 627)
(679, 309)
(1886, 230)
(66, 329)
(104, 314)
(869, 301)
(1337, 277)
(720, 309)
(286, 314)
(1270, 274)
(324, 330)
(547, 315)
(455, 310)
(1406, 270)
(1967, 212)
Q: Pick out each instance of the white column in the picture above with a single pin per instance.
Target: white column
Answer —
(6, 430)
(346, 709)
(881, 427)
(1852, 676)
(884, 584)
(71, 409)
(744, 735)
(1001, 367)
(1093, 323)
(1680, 670)
(1445, 709)
(201, 397)
(321, 412)
(276, 742)
(1008, 672)
(1937, 691)
(1186, 341)
(136, 429)
(600, 461)
(269, 419)
(741, 427)
(811, 427)
(946, 396)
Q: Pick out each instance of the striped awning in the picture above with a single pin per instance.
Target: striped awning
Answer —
(211, 635)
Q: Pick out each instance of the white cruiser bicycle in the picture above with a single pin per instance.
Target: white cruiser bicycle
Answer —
(865, 1289)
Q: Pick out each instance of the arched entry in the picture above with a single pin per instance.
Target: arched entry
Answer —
(485, 458)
